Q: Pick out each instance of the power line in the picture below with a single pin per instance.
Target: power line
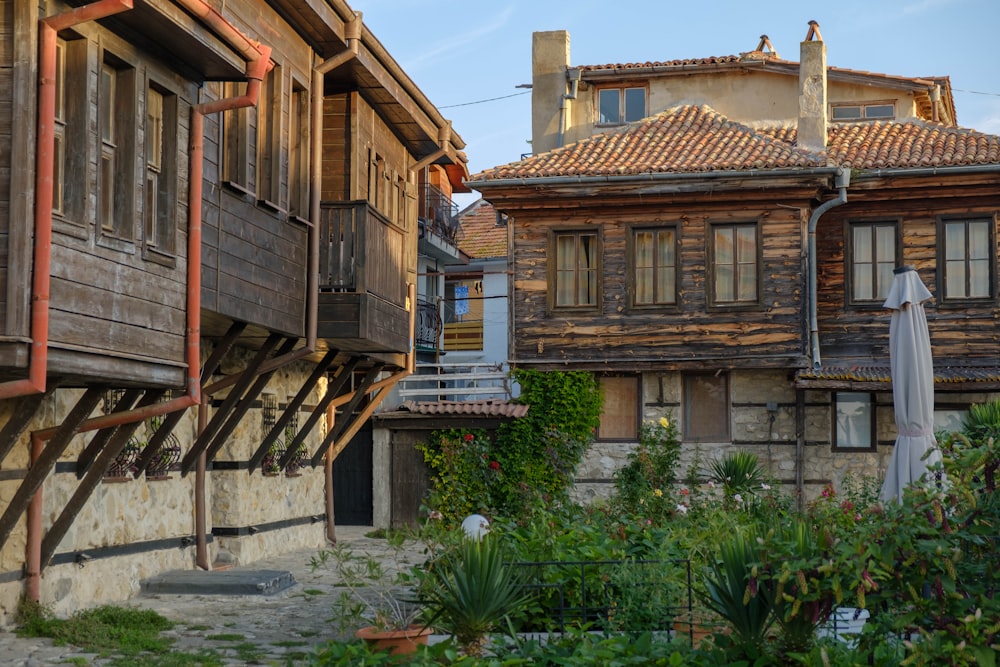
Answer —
(492, 99)
(975, 92)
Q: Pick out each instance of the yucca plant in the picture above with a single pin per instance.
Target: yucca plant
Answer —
(472, 592)
(738, 472)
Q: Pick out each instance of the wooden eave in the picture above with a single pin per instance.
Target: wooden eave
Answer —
(316, 22)
(175, 36)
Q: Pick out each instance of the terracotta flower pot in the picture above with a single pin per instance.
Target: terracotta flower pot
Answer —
(397, 642)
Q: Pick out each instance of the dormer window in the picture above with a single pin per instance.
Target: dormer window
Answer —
(869, 111)
(618, 106)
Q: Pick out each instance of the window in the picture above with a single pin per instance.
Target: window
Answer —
(298, 152)
(463, 312)
(161, 172)
(269, 138)
(619, 408)
(617, 106)
(72, 191)
(576, 269)
(870, 111)
(654, 266)
(734, 262)
(706, 407)
(853, 421)
(117, 154)
(59, 152)
(871, 257)
(966, 249)
(236, 143)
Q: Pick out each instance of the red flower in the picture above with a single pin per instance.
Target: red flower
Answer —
(469, 437)
(494, 465)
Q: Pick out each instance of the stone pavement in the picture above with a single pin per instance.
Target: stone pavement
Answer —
(245, 629)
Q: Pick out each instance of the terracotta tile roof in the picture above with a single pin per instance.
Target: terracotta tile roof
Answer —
(662, 64)
(882, 374)
(695, 139)
(482, 408)
(480, 237)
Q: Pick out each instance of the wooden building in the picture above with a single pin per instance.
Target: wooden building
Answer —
(716, 238)
(208, 243)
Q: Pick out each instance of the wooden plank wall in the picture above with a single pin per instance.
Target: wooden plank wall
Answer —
(772, 333)
(6, 135)
(960, 335)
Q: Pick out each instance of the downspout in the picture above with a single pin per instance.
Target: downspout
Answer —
(352, 36)
(573, 75)
(444, 139)
(200, 505)
(33, 536)
(48, 29)
(843, 180)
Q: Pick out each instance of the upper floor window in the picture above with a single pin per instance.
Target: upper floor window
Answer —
(71, 189)
(868, 111)
(298, 152)
(654, 266)
(269, 138)
(59, 149)
(577, 268)
(236, 142)
(159, 213)
(116, 97)
(871, 258)
(966, 250)
(733, 257)
(617, 106)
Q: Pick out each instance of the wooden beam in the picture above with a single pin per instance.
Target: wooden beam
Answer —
(332, 390)
(359, 393)
(244, 404)
(25, 409)
(103, 436)
(93, 477)
(292, 408)
(246, 377)
(41, 467)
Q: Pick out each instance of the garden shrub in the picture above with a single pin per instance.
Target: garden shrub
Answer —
(649, 472)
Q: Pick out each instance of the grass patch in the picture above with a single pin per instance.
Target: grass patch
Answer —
(204, 658)
(248, 652)
(226, 637)
(80, 660)
(313, 591)
(198, 628)
(288, 643)
(308, 633)
(103, 630)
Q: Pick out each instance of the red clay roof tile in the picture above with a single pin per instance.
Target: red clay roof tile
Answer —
(480, 237)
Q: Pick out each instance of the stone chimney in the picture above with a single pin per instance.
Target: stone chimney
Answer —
(549, 62)
(812, 91)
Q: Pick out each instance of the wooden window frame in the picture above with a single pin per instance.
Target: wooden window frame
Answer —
(74, 183)
(863, 107)
(633, 434)
(632, 267)
(712, 266)
(690, 402)
(623, 118)
(117, 153)
(849, 261)
(554, 271)
(270, 115)
(161, 184)
(235, 139)
(943, 297)
(872, 445)
(298, 151)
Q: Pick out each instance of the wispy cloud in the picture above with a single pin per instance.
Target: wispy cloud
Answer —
(433, 51)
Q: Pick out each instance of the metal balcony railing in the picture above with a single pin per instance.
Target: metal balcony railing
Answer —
(439, 214)
(428, 333)
(457, 382)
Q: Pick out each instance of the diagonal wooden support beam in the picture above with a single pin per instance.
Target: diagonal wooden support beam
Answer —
(25, 409)
(246, 378)
(333, 389)
(102, 437)
(244, 404)
(41, 467)
(292, 408)
(338, 426)
(95, 474)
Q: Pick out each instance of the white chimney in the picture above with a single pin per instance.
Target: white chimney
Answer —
(549, 62)
(812, 91)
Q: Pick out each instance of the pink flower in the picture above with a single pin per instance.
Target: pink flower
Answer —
(434, 515)
(684, 492)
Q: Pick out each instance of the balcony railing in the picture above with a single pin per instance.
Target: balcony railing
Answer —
(361, 251)
(439, 214)
(428, 332)
(457, 382)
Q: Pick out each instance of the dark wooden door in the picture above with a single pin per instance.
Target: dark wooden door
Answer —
(352, 481)
(409, 484)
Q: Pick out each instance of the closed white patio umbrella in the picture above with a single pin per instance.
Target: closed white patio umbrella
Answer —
(912, 383)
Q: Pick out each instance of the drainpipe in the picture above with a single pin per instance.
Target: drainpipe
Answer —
(33, 537)
(573, 76)
(200, 506)
(444, 138)
(843, 180)
(48, 28)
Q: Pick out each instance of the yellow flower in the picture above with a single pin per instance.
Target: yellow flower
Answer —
(663, 422)
(657, 493)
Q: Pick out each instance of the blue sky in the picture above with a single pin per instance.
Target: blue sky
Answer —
(468, 56)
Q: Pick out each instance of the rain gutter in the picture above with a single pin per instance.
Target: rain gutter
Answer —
(842, 183)
(651, 177)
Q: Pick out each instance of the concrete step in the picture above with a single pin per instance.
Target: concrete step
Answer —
(219, 582)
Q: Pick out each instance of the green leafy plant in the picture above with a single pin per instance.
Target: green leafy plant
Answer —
(472, 592)
(641, 483)
(739, 473)
(105, 630)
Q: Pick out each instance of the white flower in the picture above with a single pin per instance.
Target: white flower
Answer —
(682, 509)
(766, 487)
(738, 498)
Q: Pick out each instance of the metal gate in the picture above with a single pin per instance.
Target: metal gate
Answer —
(352, 481)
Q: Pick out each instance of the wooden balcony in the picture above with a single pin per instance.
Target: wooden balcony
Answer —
(362, 299)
